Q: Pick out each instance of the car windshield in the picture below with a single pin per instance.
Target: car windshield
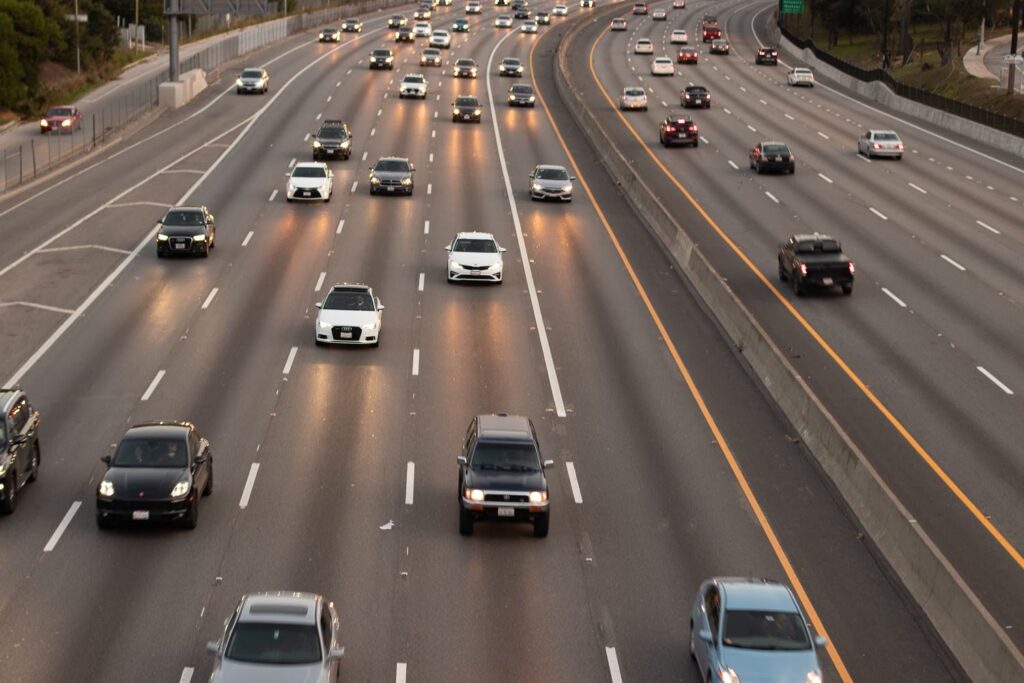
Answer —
(252, 73)
(644, 41)
(475, 245)
(413, 79)
(349, 301)
(391, 166)
(162, 452)
(776, 150)
(886, 136)
(431, 53)
(332, 132)
(465, 62)
(513, 457)
(382, 53)
(440, 34)
(274, 643)
(183, 218)
(522, 89)
(696, 90)
(509, 61)
(552, 174)
(309, 172)
(59, 111)
(757, 630)
(466, 102)
(689, 50)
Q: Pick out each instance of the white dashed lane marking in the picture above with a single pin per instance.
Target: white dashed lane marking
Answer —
(878, 213)
(62, 527)
(320, 282)
(825, 178)
(291, 359)
(248, 237)
(988, 227)
(919, 189)
(209, 298)
(995, 380)
(894, 297)
(574, 483)
(152, 385)
(952, 262)
(771, 197)
(250, 481)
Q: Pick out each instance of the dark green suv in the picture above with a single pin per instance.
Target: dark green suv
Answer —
(19, 446)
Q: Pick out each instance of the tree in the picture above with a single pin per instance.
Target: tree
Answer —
(12, 72)
(33, 37)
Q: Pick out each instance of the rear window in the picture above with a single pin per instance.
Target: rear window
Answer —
(830, 247)
(886, 136)
(776, 149)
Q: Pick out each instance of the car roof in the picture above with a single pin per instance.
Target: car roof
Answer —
(474, 235)
(550, 166)
(812, 237)
(756, 594)
(502, 427)
(159, 430)
(802, 68)
(408, 76)
(280, 608)
(773, 142)
(644, 40)
(875, 131)
(405, 159)
(351, 287)
(695, 87)
(309, 164)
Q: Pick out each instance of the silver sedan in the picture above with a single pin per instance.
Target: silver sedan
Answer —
(551, 182)
(880, 143)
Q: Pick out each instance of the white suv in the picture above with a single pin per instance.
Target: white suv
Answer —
(440, 38)
(475, 256)
(413, 85)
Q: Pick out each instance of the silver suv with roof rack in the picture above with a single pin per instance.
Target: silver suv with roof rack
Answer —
(19, 446)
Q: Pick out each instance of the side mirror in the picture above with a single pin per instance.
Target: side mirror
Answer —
(705, 635)
(336, 653)
(19, 440)
(200, 459)
(318, 304)
(820, 641)
(213, 647)
(106, 459)
(572, 177)
(549, 463)
(462, 460)
(412, 167)
(502, 249)
(448, 248)
(380, 306)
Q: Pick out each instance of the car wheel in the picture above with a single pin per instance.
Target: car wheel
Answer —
(238, 91)
(707, 106)
(760, 170)
(103, 522)
(328, 199)
(696, 143)
(288, 199)
(792, 170)
(10, 500)
(465, 521)
(191, 520)
(205, 253)
(208, 489)
(540, 526)
(35, 463)
(848, 289)
(898, 157)
(798, 288)
(782, 272)
(159, 254)
(693, 649)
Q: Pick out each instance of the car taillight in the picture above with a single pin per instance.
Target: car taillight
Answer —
(877, 146)
(694, 128)
(900, 147)
(851, 268)
(803, 269)
(671, 129)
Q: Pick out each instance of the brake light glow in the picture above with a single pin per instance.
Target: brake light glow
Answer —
(851, 268)
(803, 269)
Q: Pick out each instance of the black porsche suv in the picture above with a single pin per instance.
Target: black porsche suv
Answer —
(332, 141)
(501, 474)
(19, 446)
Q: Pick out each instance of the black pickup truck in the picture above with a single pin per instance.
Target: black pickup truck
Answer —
(815, 261)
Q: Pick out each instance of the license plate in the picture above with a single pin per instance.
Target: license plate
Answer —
(179, 246)
(467, 117)
(506, 512)
(826, 280)
(391, 188)
(307, 193)
(140, 514)
(777, 158)
(344, 335)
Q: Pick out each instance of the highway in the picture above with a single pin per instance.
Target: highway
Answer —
(335, 467)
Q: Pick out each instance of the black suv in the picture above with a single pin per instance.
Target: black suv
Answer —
(19, 446)
(678, 130)
(501, 474)
(188, 230)
(158, 472)
(767, 55)
(695, 96)
(382, 58)
(333, 140)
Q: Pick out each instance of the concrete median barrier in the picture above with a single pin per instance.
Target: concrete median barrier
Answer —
(956, 613)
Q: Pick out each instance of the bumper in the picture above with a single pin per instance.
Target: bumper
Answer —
(465, 74)
(525, 102)
(776, 166)
(632, 105)
(802, 81)
(430, 62)
(356, 336)
(460, 274)
(304, 195)
(248, 88)
(695, 103)
(510, 72)
(332, 152)
(505, 512)
(885, 152)
(150, 510)
(390, 189)
(466, 118)
(663, 73)
(813, 279)
(561, 195)
(382, 65)
(422, 94)
(681, 140)
(176, 248)
(774, 61)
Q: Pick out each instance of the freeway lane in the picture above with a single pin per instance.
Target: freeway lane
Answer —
(333, 430)
(932, 326)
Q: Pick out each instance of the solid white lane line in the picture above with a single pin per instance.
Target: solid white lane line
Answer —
(400, 673)
(426, 227)
(545, 346)
(410, 480)
(320, 282)
(772, 197)
(919, 189)
(186, 674)
(878, 213)
(341, 224)
(825, 178)
(291, 359)
(422, 282)
(209, 298)
(415, 362)
(733, 164)
(272, 195)
(894, 297)
(248, 237)
(574, 483)
(250, 481)
(823, 135)
(152, 385)
(430, 188)
(62, 527)
(952, 262)
(995, 380)
(291, 163)
(988, 227)
(613, 664)
(355, 184)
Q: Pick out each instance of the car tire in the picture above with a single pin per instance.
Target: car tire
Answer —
(693, 649)
(759, 169)
(317, 341)
(696, 143)
(898, 157)
(191, 520)
(35, 463)
(792, 170)
(465, 522)
(208, 489)
(238, 91)
(707, 105)
(540, 525)
(798, 288)
(848, 289)
(205, 253)
(782, 272)
(160, 254)
(10, 501)
(103, 523)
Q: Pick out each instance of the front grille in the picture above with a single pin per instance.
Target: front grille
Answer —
(308, 193)
(338, 330)
(505, 498)
(180, 242)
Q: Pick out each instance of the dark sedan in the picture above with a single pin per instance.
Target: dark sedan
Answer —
(678, 130)
(466, 108)
(158, 472)
(695, 96)
(772, 156)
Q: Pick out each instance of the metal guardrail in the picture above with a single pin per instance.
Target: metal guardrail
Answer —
(986, 117)
(22, 163)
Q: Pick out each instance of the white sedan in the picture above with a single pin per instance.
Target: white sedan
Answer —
(475, 256)
(421, 29)
(662, 66)
(413, 85)
(643, 47)
(503, 21)
(310, 181)
(679, 37)
(560, 10)
(800, 76)
(440, 38)
(474, 7)
(633, 97)
(350, 314)
(529, 27)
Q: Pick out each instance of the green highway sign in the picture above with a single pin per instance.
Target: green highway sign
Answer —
(792, 6)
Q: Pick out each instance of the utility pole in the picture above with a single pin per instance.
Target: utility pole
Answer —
(885, 37)
(1010, 82)
(172, 39)
(78, 45)
(135, 38)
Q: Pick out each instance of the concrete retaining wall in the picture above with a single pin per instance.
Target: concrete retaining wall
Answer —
(970, 632)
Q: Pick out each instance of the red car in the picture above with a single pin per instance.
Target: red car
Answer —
(678, 130)
(66, 117)
(640, 8)
(687, 55)
(712, 33)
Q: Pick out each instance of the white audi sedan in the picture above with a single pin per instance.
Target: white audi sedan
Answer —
(662, 66)
(413, 85)
(310, 181)
(350, 314)
(643, 47)
(800, 76)
(475, 256)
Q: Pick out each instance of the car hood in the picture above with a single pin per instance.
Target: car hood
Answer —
(241, 672)
(414, 85)
(505, 481)
(308, 183)
(474, 259)
(347, 318)
(182, 230)
(553, 184)
(770, 666)
(330, 140)
(143, 483)
(251, 80)
(392, 175)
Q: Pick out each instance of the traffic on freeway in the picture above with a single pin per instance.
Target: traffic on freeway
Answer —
(468, 420)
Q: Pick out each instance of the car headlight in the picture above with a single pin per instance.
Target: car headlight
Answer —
(407, 181)
(316, 144)
(567, 188)
(344, 144)
(455, 111)
(371, 326)
(323, 325)
(476, 112)
(291, 188)
(180, 489)
(536, 187)
(475, 495)
(200, 237)
(728, 676)
(389, 60)
(813, 677)
(532, 98)
(44, 123)
(453, 264)
(374, 180)
(106, 488)
(161, 237)
(238, 82)
(65, 123)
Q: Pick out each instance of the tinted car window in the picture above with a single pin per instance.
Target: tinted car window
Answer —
(391, 166)
(59, 111)
(466, 102)
(151, 453)
(513, 457)
(333, 132)
(758, 630)
(251, 73)
(309, 172)
(413, 79)
(382, 53)
(776, 149)
(349, 301)
(480, 246)
(522, 89)
(465, 62)
(886, 136)
(552, 174)
(830, 247)
(183, 218)
(274, 644)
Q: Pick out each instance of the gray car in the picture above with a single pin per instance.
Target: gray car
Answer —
(391, 175)
(281, 637)
(880, 143)
(551, 182)
(752, 630)
(252, 80)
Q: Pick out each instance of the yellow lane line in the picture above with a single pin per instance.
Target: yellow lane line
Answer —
(893, 420)
(698, 398)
